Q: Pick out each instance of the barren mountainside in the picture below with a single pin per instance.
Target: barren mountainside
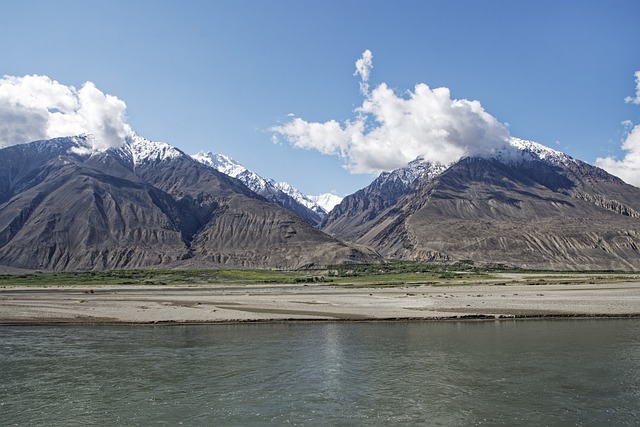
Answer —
(146, 204)
(534, 210)
(64, 206)
(354, 215)
(279, 193)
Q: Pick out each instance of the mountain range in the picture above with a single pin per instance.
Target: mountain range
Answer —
(527, 206)
(280, 193)
(65, 206)
(146, 204)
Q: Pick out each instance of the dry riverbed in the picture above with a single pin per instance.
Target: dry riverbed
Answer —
(258, 303)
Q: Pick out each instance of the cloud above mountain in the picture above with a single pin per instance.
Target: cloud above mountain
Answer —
(36, 107)
(363, 69)
(390, 130)
(635, 100)
(629, 167)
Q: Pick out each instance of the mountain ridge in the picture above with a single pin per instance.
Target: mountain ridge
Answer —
(66, 207)
(280, 193)
(532, 207)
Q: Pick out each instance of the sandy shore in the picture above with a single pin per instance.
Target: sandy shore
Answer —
(224, 304)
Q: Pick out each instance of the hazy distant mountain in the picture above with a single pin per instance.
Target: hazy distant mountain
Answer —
(66, 207)
(301, 198)
(326, 201)
(527, 206)
(280, 193)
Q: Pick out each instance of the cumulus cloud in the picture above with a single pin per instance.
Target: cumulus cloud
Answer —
(629, 167)
(390, 130)
(635, 100)
(36, 107)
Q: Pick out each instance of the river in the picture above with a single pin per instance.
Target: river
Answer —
(534, 372)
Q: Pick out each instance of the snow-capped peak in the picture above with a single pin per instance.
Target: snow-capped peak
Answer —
(532, 150)
(407, 176)
(299, 197)
(142, 150)
(255, 182)
(221, 163)
(232, 168)
(326, 201)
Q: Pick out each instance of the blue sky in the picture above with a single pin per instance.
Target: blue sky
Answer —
(219, 75)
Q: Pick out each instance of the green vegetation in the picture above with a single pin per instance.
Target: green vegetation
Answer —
(151, 277)
(388, 274)
(394, 273)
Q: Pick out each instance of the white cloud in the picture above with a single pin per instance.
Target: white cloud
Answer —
(390, 130)
(629, 167)
(635, 100)
(36, 107)
(363, 69)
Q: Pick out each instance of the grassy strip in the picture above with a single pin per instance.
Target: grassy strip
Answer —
(389, 274)
(150, 277)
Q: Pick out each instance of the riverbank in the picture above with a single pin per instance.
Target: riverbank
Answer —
(264, 303)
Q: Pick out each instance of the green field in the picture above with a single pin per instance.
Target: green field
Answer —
(362, 275)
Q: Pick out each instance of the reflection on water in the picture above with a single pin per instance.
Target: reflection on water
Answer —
(569, 372)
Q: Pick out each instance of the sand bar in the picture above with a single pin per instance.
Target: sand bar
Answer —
(259, 303)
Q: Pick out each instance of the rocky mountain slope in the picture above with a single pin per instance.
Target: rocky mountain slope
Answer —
(354, 215)
(66, 207)
(527, 206)
(280, 193)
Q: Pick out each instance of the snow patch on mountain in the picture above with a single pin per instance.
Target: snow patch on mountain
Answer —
(514, 151)
(231, 167)
(142, 150)
(255, 182)
(326, 201)
(522, 149)
(300, 198)
(221, 163)
(406, 177)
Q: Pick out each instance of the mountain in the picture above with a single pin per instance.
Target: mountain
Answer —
(301, 198)
(525, 206)
(326, 201)
(353, 216)
(280, 193)
(65, 207)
